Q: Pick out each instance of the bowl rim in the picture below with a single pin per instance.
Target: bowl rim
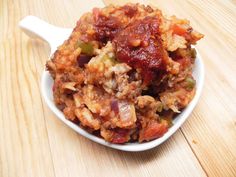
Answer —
(132, 147)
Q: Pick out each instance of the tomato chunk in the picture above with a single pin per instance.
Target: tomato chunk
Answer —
(177, 29)
(152, 131)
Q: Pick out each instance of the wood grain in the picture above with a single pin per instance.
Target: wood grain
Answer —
(33, 142)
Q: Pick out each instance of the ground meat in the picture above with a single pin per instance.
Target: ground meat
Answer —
(117, 136)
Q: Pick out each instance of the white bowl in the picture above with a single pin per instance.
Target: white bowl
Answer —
(38, 28)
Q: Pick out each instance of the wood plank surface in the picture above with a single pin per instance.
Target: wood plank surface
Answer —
(33, 142)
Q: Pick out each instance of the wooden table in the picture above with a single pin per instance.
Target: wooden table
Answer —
(33, 142)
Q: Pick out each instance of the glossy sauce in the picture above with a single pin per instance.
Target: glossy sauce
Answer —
(106, 27)
(140, 46)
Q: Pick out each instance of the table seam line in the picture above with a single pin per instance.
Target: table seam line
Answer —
(41, 100)
(194, 153)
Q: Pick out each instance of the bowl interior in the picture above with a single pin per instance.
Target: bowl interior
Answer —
(198, 73)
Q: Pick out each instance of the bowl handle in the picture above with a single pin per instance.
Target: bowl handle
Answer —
(37, 28)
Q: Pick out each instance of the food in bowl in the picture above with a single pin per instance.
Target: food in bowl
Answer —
(125, 72)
